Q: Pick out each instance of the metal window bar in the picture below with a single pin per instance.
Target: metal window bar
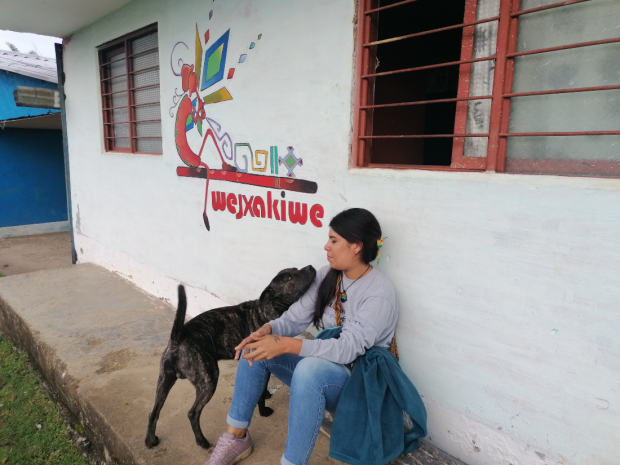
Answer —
(135, 121)
(438, 65)
(381, 8)
(564, 47)
(423, 136)
(560, 91)
(425, 102)
(546, 7)
(133, 88)
(432, 31)
(144, 52)
(551, 134)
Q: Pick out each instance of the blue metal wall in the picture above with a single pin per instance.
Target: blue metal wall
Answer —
(32, 177)
(8, 83)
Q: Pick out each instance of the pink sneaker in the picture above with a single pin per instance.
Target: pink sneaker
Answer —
(229, 450)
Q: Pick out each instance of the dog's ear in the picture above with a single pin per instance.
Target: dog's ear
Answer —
(266, 296)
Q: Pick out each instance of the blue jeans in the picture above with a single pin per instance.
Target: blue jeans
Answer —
(315, 384)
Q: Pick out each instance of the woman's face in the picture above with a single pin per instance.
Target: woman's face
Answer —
(341, 255)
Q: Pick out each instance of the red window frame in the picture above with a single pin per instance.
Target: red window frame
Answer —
(107, 52)
(501, 95)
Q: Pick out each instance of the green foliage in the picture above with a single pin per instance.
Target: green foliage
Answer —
(32, 430)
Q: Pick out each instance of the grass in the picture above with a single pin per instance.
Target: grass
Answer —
(32, 429)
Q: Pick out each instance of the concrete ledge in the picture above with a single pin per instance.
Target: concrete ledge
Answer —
(97, 340)
(32, 229)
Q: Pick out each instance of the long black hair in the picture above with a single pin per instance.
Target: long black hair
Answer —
(356, 226)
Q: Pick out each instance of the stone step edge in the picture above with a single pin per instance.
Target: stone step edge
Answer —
(107, 447)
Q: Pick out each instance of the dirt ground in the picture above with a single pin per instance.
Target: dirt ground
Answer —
(33, 253)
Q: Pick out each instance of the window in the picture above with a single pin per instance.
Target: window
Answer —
(129, 69)
(520, 86)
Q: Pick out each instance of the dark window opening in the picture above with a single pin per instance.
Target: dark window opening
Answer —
(428, 84)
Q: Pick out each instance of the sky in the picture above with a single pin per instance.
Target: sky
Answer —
(26, 42)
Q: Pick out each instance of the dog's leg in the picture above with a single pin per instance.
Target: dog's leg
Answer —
(205, 385)
(262, 409)
(164, 384)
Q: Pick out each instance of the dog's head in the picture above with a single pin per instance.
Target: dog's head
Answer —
(287, 287)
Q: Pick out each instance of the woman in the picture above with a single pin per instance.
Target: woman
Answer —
(315, 369)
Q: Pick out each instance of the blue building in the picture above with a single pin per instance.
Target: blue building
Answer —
(32, 178)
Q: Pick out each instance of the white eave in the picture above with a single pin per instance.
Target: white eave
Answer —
(58, 18)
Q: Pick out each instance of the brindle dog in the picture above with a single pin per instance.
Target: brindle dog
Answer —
(194, 348)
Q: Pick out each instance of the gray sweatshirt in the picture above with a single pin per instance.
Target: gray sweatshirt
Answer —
(369, 317)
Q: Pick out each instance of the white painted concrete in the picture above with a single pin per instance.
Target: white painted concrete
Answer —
(508, 284)
(32, 229)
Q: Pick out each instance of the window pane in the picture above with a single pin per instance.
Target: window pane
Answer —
(148, 95)
(147, 112)
(149, 145)
(121, 130)
(571, 24)
(119, 100)
(121, 143)
(146, 78)
(117, 84)
(147, 42)
(573, 112)
(147, 60)
(576, 155)
(148, 129)
(120, 115)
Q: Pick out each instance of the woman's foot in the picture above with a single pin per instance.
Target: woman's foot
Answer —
(229, 450)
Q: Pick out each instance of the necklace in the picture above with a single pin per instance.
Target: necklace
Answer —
(343, 294)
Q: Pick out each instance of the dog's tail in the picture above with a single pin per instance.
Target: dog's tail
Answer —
(179, 319)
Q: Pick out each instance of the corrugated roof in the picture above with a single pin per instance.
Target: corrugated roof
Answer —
(29, 65)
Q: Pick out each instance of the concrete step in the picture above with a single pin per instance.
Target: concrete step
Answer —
(98, 339)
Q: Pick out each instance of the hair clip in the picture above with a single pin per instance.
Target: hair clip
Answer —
(379, 245)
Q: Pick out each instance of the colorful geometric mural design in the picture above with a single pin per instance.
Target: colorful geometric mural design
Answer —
(290, 161)
(198, 51)
(218, 96)
(273, 158)
(259, 165)
(215, 62)
(237, 159)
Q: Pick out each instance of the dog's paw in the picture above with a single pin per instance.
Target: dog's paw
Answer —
(203, 443)
(151, 441)
(265, 412)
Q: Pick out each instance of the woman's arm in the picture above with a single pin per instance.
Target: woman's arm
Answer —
(373, 322)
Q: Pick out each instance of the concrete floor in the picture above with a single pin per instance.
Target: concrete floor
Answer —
(98, 340)
(33, 253)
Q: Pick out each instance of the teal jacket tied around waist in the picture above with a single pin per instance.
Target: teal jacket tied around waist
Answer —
(368, 423)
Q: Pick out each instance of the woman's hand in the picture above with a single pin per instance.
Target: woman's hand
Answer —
(270, 346)
(262, 331)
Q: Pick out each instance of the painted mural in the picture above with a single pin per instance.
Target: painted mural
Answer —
(203, 83)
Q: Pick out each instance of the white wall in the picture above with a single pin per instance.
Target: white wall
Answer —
(508, 284)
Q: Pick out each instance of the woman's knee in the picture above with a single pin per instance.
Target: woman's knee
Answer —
(318, 373)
